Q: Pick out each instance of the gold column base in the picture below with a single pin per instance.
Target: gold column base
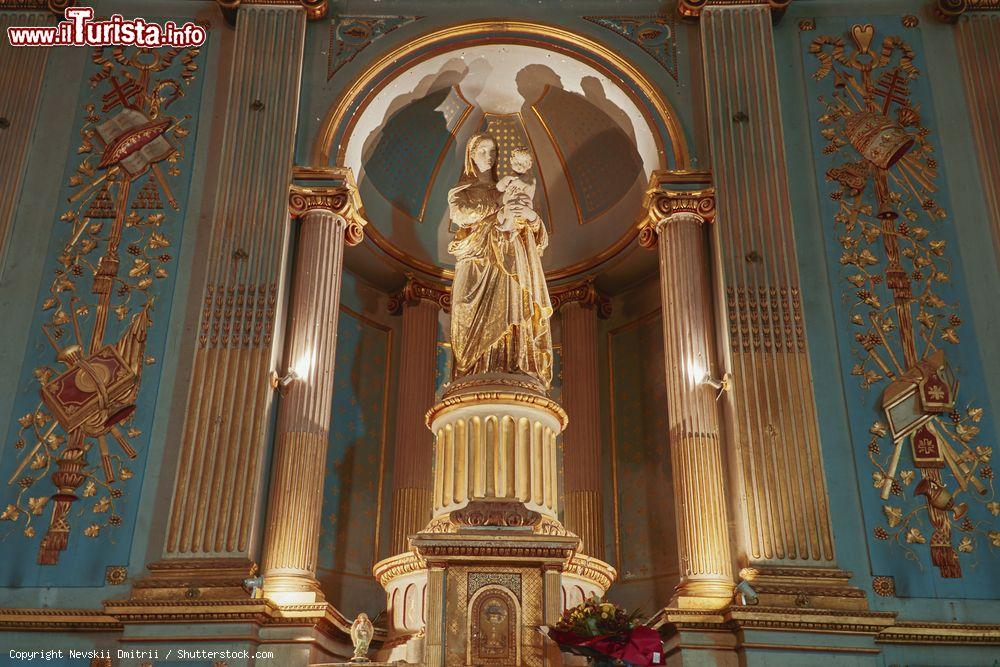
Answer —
(293, 588)
(703, 594)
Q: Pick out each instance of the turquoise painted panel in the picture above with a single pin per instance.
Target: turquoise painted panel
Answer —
(108, 287)
(922, 442)
(644, 541)
(348, 537)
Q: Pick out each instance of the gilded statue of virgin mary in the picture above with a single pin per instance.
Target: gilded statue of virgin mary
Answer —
(500, 303)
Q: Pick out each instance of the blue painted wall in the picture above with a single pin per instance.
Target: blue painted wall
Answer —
(151, 242)
(846, 411)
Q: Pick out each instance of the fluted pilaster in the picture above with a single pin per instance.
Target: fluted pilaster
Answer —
(978, 45)
(217, 494)
(582, 439)
(695, 444)
(21, 80)
(411, 493)
(783, 517)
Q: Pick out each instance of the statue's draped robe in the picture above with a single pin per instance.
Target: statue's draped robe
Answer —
(500, 303)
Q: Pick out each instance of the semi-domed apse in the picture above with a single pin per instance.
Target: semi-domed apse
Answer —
(594, 144)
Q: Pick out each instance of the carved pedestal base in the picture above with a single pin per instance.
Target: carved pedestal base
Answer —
(489, 592)
(194, 579)
(807, 588)
(494, 563)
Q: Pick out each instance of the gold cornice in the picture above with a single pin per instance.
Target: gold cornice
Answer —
(62, 620)
(314, 9)
(583, 292)
(416, 290)
(340, 197)
(736, 618)
(923, 632)
(950, 11)
(691, 9)
(673, 192)
(323, 144)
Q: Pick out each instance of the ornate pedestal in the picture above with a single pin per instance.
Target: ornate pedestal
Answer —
(495, 562)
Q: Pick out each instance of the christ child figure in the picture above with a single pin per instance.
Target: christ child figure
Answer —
(518, 188)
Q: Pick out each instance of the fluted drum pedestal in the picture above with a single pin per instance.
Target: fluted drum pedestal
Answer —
(495, 552)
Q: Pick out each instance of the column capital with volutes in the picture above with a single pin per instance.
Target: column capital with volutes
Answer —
(692, 9)
(675, 196)
(583, 292)
(330, 189)
(416, 290)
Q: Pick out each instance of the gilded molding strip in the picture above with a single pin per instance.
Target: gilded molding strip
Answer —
(777, 443)
(978, 44)
(23, 71)
(216, 496)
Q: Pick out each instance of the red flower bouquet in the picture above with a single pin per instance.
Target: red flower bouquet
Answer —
(608, 635)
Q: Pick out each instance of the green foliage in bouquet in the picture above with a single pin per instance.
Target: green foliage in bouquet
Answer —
(595, 618)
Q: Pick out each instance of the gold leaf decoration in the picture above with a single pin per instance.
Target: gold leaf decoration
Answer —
(102, 505)
(158, 240)
(965, 545)
(994, 507)
(37, 505)
(878, 429)
(90, 489)
(907, 477)
(93, 530)
(10, 514)
(140, 267)
(914, 536)
(994, 536)
(893, 515)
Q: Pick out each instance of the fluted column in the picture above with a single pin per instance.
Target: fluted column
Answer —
(676, 224)
(217, 497)
(21, 78)
(294, 512)
(411, 492)
(582, 439)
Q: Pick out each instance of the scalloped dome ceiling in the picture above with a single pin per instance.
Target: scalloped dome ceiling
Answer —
(593, 148)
